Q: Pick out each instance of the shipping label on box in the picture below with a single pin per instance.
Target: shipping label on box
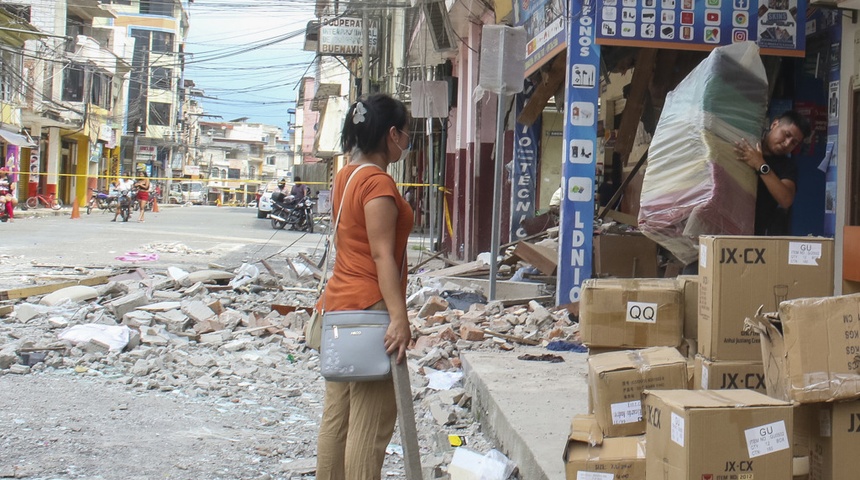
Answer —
(730, 434)
(631, 313)
(616, 381)
(728, 375)
(815, 355)
(829, 435)
(589, 457)
(738, 274)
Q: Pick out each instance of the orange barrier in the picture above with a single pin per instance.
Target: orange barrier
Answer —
(76, 209)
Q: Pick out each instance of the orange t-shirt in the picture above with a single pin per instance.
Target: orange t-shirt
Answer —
(354, 284)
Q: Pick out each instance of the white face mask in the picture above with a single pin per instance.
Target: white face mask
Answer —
(404, 152)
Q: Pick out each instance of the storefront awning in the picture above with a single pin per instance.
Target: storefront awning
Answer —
(15, 139)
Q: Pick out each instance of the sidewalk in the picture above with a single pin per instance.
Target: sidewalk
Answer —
(526, 406)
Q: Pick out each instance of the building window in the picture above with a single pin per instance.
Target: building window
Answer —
(162, 42)
(73, 83)
(270, 159)
(100, 92)
(159, 113)
(10, 74)
(252, 172)
(160, 78)
(156, 7)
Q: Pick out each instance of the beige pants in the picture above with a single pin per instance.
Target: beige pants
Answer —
(357, 425)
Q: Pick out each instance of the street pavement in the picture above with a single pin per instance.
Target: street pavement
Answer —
(525, 406)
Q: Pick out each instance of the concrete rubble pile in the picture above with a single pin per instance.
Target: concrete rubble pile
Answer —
(238, 336)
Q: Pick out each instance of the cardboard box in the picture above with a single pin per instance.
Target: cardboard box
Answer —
(616, 381)
(827, 433)
(690, 286)
(728, 375)
(587, 456)
(737, 274)
(625, 256)
(727, 434)
(811, 350)
(631, 313)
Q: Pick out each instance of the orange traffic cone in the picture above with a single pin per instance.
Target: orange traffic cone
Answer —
(154, 205)
(76, 209)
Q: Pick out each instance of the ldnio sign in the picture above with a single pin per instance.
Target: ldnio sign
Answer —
(342, 36)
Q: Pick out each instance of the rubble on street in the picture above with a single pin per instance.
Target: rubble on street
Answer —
(236, 335)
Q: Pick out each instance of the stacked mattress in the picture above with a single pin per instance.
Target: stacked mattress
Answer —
(694, 185)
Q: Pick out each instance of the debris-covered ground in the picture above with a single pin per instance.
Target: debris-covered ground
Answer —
(167, 373)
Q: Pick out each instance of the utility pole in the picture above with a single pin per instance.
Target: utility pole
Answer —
(365, 53)
(134, 152)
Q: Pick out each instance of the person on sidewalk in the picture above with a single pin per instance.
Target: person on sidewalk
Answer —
(369, 274)
(141, 187)
(8, 199)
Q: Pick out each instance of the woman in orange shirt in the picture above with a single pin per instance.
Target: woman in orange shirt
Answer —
(369, 273)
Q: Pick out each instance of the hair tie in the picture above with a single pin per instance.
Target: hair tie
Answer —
(358, 113)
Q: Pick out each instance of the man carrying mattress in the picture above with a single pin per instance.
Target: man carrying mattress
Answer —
(777, 171)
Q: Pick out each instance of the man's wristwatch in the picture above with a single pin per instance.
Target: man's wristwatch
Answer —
(764, 169)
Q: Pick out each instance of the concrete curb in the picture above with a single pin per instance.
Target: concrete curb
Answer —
(526, 406)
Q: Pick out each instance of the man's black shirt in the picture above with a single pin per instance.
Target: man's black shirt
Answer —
(770, 218)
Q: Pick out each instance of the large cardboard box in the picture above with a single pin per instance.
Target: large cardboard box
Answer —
(728, 375)
(625, 256)
(616, 381)
(737, 274)
(829, 435)
(726, 434)
(631, 313)
(587, 456)
(811, 349)
(690, 286)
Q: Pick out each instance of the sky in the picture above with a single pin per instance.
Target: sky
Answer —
(247, 57)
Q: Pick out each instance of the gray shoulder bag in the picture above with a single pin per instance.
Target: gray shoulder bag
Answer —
(353, 341)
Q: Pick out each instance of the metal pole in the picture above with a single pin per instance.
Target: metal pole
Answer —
(432, 181)
(497, 194)
(365, 54)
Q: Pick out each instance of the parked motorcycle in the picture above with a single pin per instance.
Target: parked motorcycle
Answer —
(126, 198)
(100, 200)
(298, 215)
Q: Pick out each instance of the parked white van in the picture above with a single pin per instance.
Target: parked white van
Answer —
(189, 191)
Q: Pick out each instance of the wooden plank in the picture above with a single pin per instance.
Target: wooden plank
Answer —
(406, 419)
(312, 266)
(426, 261)
(53, 287)
(512, 338)
(604, 211)
(545, 90)
(465, 268)
(646, 61)
(6, 310)
(543, 258)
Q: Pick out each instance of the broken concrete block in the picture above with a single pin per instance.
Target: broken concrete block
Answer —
(8, 358)
(208, 276)
(448, 334)
(19, 369)
(216, 306)
(133, 340)
(202, 361)
(426, 342)
(166, 295)
(216, 338)
(197, 310)
(58, 322)
(141, 368)
(500, 325)
(207, 326)
(194, 289)
(127, 303)
(94, 346)
(471, 333)
(443, 414)
(154, 335)
(433, 305)
(236, 345)
(435, 319)
(137, 319)
(451, 396)
(231, 319)
(160, 307)
(26, 311)
(74, 294)
(539, 315)
(134, 275)
(176, 273)
(174, 320)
